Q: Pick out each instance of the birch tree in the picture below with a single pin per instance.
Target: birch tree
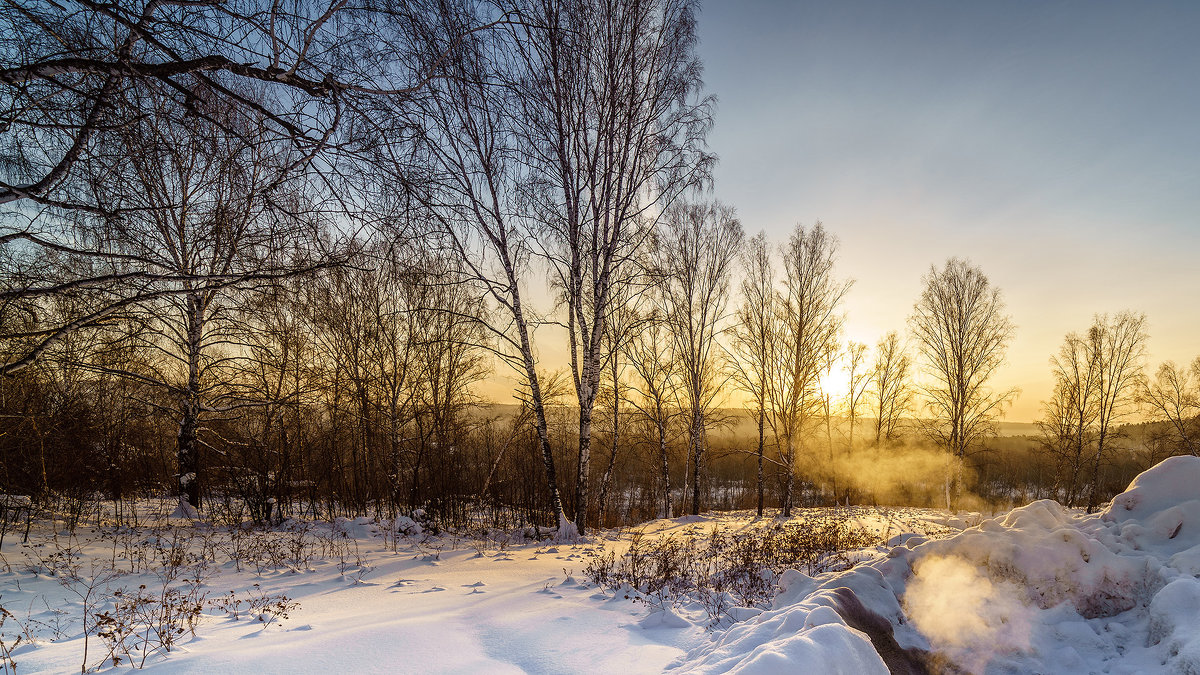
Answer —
(651, 355)
(752, 337)
(809, 327)
(857, 380)
(1118, 347)
(962, 333)
(470, 139)
(697, 246)
(613, 121)
(1068, 423)
(203, 214)
(1173, 397)
(891, 387)
(624, 322)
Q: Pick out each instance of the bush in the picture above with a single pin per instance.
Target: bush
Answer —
(729, 567)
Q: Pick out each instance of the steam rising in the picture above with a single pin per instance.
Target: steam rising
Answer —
(965, 614)
(890, 475)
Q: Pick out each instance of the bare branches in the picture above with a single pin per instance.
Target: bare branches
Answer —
(753, 336)
(890, 383)
(1097, 377)
(808, 325)
(695, 251)
(962, 334)
(1173, 396)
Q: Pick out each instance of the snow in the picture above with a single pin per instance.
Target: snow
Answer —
(184, 510)
(432, 605)
(15, 501)
(1042, 589)
(1039, 589)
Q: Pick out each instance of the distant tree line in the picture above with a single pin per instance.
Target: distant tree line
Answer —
(259, 256)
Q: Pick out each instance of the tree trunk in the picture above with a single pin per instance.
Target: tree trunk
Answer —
(189, 466)
(612, 457)
(697, 451)
(189, 412)
(539, 408)
(666, 469)
(585, 465)
(760, 460)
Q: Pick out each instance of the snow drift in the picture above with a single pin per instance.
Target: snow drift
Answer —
(1041, 589)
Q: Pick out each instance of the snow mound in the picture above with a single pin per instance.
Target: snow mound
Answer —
(1040, 589)
(184, 511)
(1044, 549)
(405, 526)
(361, 527)
(813, 640)
(804, 631)
(1160, 511)
(1171, 483)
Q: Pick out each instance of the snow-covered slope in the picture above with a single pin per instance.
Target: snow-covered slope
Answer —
(1042, 589)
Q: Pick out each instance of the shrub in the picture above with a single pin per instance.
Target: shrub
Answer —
(729, 567)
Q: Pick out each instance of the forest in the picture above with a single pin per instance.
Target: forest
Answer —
(261, 258)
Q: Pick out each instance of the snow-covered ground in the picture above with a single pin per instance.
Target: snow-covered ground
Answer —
(416, 609)
(1038, 590)
(369, 600)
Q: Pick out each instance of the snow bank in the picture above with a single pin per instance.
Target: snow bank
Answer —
(1041, 589)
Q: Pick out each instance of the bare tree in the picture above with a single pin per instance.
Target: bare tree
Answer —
(695, 252)
(652, 356)
(1059, 435)
(890, 385)
(962, 333)
(203, 214)
(613, 121)
(451, 350)
(471, 139)
(751, 336)
(1118, 346)
(1068, 424)
(808, 333)
(560, 136)
(858, 377)
(1173, 396)
(273, 377)
(624, 322)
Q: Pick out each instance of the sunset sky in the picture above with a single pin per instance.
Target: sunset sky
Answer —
(1055, 144)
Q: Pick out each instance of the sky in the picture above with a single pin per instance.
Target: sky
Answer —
(1054, 144)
